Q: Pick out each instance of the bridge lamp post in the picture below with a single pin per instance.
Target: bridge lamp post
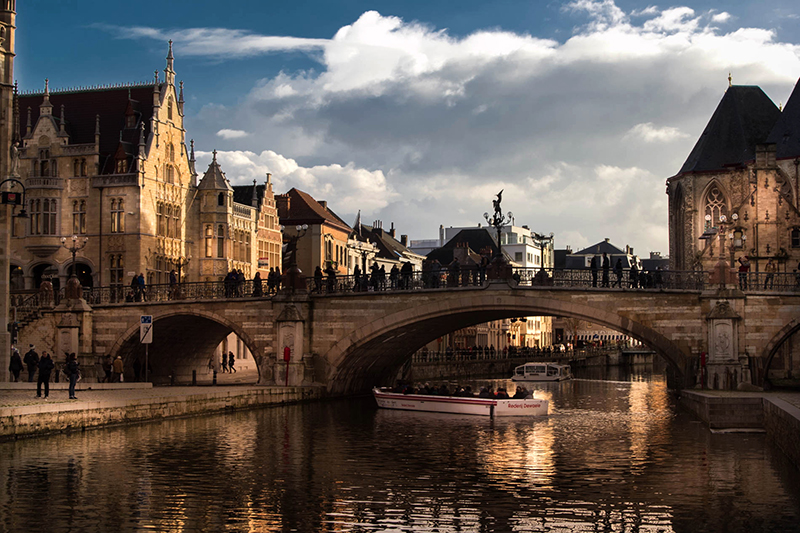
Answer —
(74, 284)
(499, 269)
(541, 241)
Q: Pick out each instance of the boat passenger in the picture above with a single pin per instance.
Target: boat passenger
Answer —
(443, 390)
(485, 393)
(501, 394)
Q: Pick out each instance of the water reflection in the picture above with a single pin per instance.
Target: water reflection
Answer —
(612, 456)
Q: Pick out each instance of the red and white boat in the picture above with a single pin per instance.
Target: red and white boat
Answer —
(460, 405)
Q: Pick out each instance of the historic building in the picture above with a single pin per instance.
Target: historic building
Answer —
(737, 192)
(110, 165)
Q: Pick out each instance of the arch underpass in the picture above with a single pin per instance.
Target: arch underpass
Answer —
(372, 353)
(182, 343)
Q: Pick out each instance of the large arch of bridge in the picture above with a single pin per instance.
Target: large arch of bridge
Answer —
(181, 340)
(372, 353)
(771, 349)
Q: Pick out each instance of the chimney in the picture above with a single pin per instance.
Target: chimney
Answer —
(403, 239)
(391, 231)
(441, 235)
(324, 204)
(283, 203)
(606, 239)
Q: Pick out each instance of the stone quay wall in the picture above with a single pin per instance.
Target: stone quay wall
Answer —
(782, 422)
(42, 418)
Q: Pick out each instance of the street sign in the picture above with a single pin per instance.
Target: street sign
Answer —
(146, 329)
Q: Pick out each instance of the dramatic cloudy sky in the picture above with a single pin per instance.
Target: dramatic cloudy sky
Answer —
(418, 112)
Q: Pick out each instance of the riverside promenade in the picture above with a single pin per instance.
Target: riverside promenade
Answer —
(22, 414)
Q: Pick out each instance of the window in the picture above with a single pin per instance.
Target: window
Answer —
(117, 216)
(45, 164)
(171, 152)
(116, 269)
(79, 217)
(169, 174)
(43, 216)
(738, 239)
(220, 241)
(160, 219)
(76, 167)
(130, 121)
(83, 167)
(221, 199)
(176, 220)
(167, 217)
(517, 256)
(795, 237)
(122, 166)
(715, 207)
(209, 241)
(169, 108)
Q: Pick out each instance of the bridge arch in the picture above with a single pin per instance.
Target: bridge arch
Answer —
(771, 349)
(182, 341)
(372, 353)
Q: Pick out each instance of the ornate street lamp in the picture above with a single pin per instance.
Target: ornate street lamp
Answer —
(541, 241)
(73, 283)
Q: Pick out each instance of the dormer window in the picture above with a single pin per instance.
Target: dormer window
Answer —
(121, 166)
(130, 121)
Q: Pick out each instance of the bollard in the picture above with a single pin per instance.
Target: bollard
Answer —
(194, 377)
(214, 379)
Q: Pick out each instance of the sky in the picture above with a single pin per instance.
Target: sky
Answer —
(418, 114)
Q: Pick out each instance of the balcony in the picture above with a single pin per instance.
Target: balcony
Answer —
(44, 183)
(42, 245)
(115, 180)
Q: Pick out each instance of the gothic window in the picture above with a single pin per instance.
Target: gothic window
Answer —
(715, 206)
(117, 216)
(116, 269)
(176, 221)
(171, 152)
(83, 167)
(169, 174)
(209, 241)
(43, 216)
(795, 237)
(221, 199)
(46, 165)
(220, 241)
(167, 220)
(79, 217)
(130, 121)
(160, 219)
(76, 168)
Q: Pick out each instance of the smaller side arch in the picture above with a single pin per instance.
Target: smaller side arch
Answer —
(768, 354)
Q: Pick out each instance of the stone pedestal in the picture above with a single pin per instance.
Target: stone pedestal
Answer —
(289, 367)
(723, 368)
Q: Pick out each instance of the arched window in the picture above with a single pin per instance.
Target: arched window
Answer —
(79, 217)
(221, 199)
(220, 241)
(171, 152)
(715, 206)
(83, 167)
(209, 241)
(160, 219)
(76, 168)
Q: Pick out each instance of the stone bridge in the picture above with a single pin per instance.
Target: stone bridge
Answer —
(352, 341)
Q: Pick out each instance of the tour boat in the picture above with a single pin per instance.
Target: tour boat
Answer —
(542, 372)
(460, 405)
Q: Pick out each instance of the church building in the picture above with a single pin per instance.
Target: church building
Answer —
(737, 193)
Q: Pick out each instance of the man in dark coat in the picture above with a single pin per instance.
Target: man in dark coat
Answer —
(618, 269)
(16, 364)
(46, 365)
(593, 266)
(606, 269)
(73, 371)
(32, 360)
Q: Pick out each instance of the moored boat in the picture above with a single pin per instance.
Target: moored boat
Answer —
(460, 405)
(542, 372)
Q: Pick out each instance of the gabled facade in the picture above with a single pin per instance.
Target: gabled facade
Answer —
(388, 251)
(737, 192)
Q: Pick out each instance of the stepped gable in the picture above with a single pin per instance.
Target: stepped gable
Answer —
(743, 119)
(81, 109)
(786, 132)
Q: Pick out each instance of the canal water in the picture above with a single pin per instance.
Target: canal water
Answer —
(611, 456)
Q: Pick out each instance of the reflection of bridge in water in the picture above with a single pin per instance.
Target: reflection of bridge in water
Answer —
(348, 338)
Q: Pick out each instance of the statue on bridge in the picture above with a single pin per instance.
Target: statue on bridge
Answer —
(498, 212)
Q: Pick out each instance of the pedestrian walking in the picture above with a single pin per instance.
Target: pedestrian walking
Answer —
(633, 276)
(231, 361)
(318, 279)
(107, 368)
(744, 272)
(46, 365)
(606, 269)
(770, 268)
(142, 288)
(15, 366)
(31, 359)
(118, 368)
(593, 266)
(258, 292)
(224, 362)
(74, 374)
(618, 272)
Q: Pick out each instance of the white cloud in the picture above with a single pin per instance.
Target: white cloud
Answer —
(231, 134)
(721, 17)
(649, 133)
(411, 124)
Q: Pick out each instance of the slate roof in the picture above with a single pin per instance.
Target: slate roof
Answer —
(743, 119)
(304, 209)
(599, 249)
(476, 238)
(786, 132)
(243, 194)
(214, 178)
(81, 109)
(388, 246)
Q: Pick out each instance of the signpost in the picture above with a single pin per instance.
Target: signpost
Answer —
(146, 338)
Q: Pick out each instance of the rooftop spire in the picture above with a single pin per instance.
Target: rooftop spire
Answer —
(169, 72)
(215, 155)
(63, 122)
(46, 108)
(730, 79)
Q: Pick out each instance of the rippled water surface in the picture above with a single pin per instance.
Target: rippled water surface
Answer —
(612, 456)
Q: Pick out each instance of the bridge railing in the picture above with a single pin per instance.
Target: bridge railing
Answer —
(165, 292)
(585, 278)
